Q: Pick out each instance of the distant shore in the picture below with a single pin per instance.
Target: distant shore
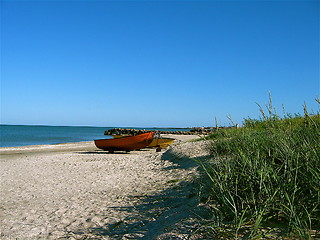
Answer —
(75, 190)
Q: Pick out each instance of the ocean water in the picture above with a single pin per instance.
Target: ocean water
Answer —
(23, 135)
(20, 135)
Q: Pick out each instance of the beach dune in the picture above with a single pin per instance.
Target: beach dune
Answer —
(75, 190)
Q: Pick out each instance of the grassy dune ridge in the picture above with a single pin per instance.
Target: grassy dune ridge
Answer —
(263, 179)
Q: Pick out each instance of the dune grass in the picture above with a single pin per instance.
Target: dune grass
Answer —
(263, 179)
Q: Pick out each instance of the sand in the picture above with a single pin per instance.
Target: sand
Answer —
(76, 191)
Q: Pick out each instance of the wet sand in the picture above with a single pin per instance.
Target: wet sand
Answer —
(76, 191)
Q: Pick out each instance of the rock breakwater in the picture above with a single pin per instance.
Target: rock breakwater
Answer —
(127, 131)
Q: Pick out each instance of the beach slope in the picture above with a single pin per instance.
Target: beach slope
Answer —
(76, 191)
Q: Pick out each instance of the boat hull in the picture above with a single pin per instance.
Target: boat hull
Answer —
(126, 143)
(120, 136)
(161, 142)
(156, 142)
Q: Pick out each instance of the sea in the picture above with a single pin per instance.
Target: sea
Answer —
(24, 135)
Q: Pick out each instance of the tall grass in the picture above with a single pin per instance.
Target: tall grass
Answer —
(266, 176)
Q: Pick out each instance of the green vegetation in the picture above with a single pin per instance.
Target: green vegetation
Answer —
(263, 179)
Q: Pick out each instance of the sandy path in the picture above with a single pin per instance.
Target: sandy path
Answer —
(75, 191)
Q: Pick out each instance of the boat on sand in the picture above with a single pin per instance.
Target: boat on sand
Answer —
(161, 142)
(156, 142)
(127, 144)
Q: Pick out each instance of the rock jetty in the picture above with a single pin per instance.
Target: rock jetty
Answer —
(191, 131)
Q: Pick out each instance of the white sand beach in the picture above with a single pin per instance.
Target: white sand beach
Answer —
(76, 191)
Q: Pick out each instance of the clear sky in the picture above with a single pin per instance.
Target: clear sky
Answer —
(156, 63)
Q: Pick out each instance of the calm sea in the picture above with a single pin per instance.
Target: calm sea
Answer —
(21, 135)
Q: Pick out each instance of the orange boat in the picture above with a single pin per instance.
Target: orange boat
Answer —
(156, 142)
(126, 143)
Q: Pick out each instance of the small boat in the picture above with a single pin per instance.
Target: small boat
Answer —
(161, 142)
(127, 144)
(156, 142)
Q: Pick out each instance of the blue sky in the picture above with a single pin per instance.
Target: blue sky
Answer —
(156, 63)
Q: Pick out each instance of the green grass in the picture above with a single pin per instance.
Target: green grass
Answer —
(265, 177)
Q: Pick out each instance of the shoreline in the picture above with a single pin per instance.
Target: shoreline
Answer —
(47, 147)
(70, 145)
(171, 135)
(75, 190)
(27, 135)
